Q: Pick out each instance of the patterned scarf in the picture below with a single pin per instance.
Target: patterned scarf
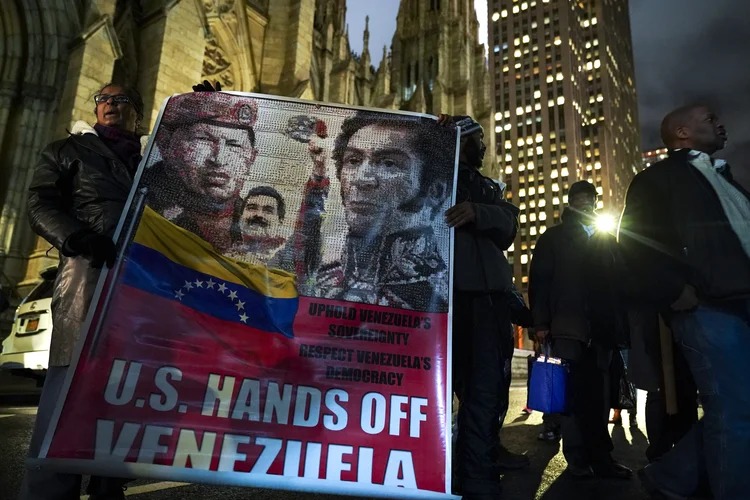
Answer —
(124, 144)
(735, 204)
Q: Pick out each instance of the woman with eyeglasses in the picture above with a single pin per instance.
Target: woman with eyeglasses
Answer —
(76, 197)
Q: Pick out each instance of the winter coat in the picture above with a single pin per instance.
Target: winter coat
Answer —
(644, 355)
(479, 262)
(78, 184)
(674, 232)
(520, 314)
(573, 285)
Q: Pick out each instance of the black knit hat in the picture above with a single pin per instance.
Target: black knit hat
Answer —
(584, 187)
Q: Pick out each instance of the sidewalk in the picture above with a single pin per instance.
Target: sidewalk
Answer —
(545, 480)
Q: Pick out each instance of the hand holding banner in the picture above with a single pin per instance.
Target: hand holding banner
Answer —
(268, 327)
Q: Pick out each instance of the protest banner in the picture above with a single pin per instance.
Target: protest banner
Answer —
(279, 314)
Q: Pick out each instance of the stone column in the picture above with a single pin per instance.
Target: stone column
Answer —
(16, 236)
(288, 46)
(172, 44)
(91, 65)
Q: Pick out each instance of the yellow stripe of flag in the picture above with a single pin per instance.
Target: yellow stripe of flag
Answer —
(186, 249)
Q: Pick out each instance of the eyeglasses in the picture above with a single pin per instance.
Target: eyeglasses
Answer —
(116, 99)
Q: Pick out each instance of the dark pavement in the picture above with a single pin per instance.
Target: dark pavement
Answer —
(544, 480)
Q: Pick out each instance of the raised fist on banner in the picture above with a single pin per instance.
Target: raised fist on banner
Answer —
(320, 150)
(313, 132)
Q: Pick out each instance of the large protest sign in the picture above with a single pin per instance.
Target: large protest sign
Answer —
(279, 314)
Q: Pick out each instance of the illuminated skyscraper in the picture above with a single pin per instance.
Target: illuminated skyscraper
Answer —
(566, 108)
(651, 157)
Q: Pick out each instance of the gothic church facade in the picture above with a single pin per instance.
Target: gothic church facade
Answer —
(57, 53)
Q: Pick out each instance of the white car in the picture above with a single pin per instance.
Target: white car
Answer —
(26, 350)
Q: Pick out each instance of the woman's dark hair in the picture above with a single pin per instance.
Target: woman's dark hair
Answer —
(135, 98)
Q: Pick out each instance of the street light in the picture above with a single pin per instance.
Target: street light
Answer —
(605, 223)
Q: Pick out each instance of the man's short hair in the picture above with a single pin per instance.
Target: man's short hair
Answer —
(271, 192)
(428, 140)
(582, 187)
(675, 119)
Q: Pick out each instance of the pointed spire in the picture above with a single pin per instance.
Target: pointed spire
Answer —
(366, 37)
(342, 14)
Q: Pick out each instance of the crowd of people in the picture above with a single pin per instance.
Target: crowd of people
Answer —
(668, 295)
(673, 284)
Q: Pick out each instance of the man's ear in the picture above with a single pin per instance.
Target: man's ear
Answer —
(682, 133)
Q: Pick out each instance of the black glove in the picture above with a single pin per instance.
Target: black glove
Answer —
(207, 87)
(98, 248)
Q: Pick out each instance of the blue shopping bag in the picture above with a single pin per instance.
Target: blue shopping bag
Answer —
(548, 387)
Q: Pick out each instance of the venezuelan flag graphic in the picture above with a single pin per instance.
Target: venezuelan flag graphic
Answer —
(181, 293)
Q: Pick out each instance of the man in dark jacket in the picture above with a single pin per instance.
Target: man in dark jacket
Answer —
(574, 309)
(685, 234)
(76, 198)
(485, 225)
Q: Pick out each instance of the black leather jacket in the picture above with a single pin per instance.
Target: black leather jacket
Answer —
(78, 184)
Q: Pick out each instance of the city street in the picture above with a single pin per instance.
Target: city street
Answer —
(543, 480)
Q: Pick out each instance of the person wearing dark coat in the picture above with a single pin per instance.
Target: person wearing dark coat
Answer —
(574, 304)
(646, 372)
(485, 226)
(685, 235)
(76, 197)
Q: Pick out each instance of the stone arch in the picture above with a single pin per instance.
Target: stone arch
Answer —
(229, 51)
(33, 58)
(218, 65)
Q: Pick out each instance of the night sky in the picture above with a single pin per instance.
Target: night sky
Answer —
(685, 51)
(694, 50)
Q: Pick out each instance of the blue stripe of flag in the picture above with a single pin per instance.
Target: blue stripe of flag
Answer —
(152, 272)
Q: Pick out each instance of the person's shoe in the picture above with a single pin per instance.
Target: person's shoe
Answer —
(612, 470)
(654, 491)
(526, 411)
(508, 460)
(116, 495)
(108, 492)
(633, 417)
(580, 471)
(548, 436)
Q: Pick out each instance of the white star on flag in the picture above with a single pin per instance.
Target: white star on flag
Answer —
(240, 305)
(178, 294)
(210, 284)
(222, 287)
(232, 295)
(243, 317)
(188, 285)
(198, 283)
